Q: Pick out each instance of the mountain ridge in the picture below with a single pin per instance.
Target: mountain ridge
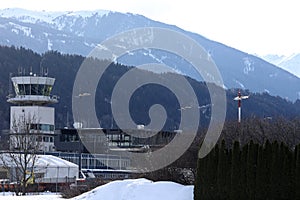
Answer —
(290, 63)
(79, 35)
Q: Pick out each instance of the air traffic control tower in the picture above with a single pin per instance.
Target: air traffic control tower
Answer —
(31, 111)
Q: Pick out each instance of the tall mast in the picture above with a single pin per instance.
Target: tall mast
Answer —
(239, 98)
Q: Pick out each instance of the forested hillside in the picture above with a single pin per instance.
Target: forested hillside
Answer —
(64, 67)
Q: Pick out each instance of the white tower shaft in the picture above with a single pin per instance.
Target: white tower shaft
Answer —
(239, 114)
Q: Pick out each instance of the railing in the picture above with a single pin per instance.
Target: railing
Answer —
(56, 180)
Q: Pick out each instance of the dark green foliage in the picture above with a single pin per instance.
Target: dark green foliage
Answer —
(260, 192)
(287, 173)
(251, 163)
(235, 191)
(199, 191)
(223, 169)
(267, 171)
(297, 172)
(276, 170)
(243, 171)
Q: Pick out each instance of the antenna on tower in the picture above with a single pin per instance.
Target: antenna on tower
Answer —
(41, 71)
(30, 73)
(10, 90)
(41, 67)
(67, 119)
(20, 71)
(46, 72)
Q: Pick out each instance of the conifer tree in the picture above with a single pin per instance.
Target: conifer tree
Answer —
(267, 154)
(275, 171)
(260, 174)
(251, 169)
(286, 183)
(212, 164)
(222, 172)
(243, 173)
(199, 180)
(235, 191)
(297, 172)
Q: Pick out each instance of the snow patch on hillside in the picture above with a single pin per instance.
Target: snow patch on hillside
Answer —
(26, 30)
(248, 65)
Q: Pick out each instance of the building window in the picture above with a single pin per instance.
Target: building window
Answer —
(42, 127)
(45, 139)
(33, 89)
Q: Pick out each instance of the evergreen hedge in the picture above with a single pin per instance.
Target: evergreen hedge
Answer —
(253, 171)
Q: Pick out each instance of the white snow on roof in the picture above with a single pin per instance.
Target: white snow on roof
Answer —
(53, 161)
(44, 161)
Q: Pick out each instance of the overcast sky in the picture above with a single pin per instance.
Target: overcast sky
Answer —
(253, 26)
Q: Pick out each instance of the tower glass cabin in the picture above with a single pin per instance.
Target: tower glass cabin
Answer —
(31, 113)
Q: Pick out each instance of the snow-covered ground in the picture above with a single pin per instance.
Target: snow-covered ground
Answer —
(9, 196)
(131, 189)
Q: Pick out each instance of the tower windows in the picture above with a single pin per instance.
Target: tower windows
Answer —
(33, 89)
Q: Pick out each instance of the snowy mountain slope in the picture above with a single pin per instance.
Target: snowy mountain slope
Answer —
(40, 34)
(80, 32)
(291, 63)
(40, 17)
(29, 16)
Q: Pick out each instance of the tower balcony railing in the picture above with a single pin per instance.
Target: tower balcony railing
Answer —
(32, 99)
